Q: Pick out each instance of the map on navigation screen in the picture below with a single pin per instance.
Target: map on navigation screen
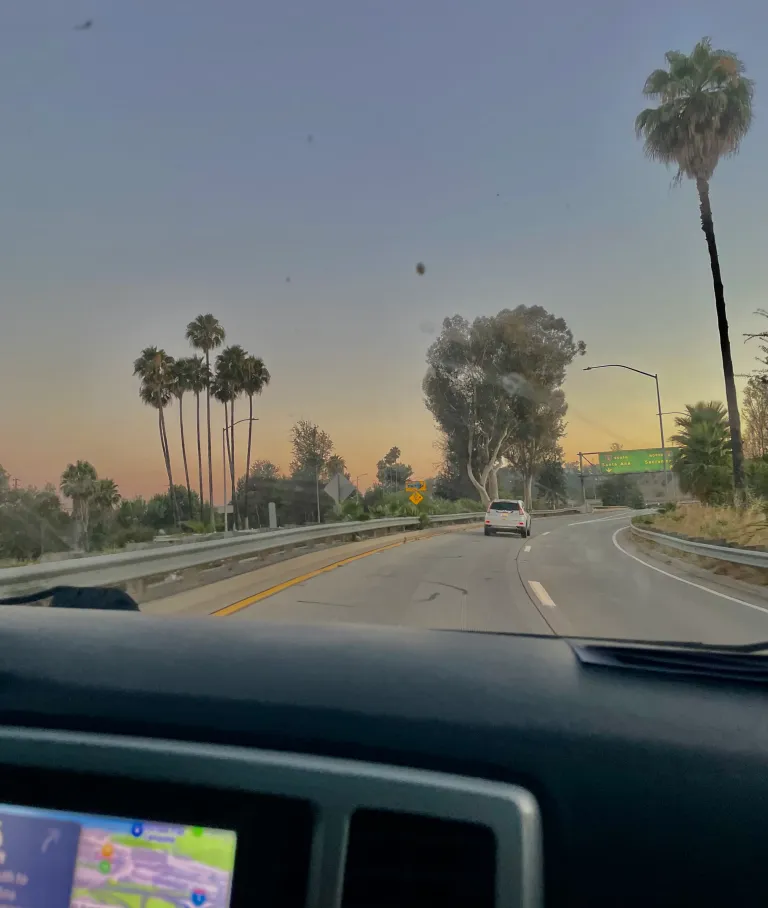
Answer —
(51, 859)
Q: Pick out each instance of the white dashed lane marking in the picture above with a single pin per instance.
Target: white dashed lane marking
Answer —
(527, 549)
(541, 594)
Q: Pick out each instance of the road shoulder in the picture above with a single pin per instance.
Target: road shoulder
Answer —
(663, 558)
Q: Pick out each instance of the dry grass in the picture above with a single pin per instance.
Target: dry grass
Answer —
(734, 526)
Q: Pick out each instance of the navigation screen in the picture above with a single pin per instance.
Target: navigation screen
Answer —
(50, 859)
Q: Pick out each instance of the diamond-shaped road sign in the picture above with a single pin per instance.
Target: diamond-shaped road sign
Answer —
(339, 488)
(417, 498)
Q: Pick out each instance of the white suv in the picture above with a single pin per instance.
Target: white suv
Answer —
(507, 515)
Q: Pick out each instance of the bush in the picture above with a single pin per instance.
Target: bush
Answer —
(193, 526)
(121, 536)
(621, 491)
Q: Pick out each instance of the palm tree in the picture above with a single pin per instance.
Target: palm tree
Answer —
(336, 466)
(79, 482)
(183, 371)
(255, 378)
(704, 111)
(155, 369)
(205, 333)
(106, 498)
(199, 379)
(702, 460)
(229, 379)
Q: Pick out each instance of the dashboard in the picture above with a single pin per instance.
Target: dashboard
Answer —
(220, 763)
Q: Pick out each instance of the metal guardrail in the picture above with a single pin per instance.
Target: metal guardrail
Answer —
(133, 570)
(705, 550)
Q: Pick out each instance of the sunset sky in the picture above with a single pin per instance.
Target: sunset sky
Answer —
(158, 166)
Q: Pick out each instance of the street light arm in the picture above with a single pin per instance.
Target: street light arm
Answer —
(230, 425)
(619, 366)
(659, 413)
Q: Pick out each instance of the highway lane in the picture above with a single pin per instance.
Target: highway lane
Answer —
(579, 576)
(603, 585)
(575, 576)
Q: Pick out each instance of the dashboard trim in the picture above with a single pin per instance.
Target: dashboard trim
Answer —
(336, 788)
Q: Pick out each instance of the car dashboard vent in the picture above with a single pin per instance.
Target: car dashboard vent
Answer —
(403, 860)
(699, 662)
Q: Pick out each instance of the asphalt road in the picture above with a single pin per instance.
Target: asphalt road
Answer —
(574, 576)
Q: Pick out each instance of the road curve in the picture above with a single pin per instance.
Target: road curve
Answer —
(575, 576)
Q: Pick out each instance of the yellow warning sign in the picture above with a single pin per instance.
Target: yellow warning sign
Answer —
(416, 485)
(417, 498)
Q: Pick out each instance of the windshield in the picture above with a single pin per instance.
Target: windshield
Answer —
(289, 287)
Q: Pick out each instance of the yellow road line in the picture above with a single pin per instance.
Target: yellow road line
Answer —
(279, 587)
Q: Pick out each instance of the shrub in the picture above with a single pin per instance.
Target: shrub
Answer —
(123, 535)
(193, 526)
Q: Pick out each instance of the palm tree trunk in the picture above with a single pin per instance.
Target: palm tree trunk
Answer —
(167, 457)
(248, 456)
(210, 458)
(184, 457)
(232, 471)
(199, 455)
(228, 466)
(734, 419)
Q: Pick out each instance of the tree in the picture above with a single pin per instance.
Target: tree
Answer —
(756, 418)
(32, 521)
(621, 491)
(703, 460)
(265, 469)
(199, 380)
(183, 373)
(336, 466)
(205, 333)
(551, 482)
(228, 386)
(255, 379)
(312, 449)
(79, 482)
(452, 481)
(478, 374)
(155, 369)
(390, 472)
(704, 112)
(539, 426)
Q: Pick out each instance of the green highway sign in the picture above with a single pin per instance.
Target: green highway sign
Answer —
(648, 460)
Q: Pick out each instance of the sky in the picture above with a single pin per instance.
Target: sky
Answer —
(158, 166)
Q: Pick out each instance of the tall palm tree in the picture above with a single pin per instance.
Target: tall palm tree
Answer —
(183, 371)
(704, 111)
(255, 378)
(79, 482)
(205, 333)
(199, 379)
(155, 369)
(229, 379)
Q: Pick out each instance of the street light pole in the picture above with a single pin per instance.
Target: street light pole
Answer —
(226, 460)
(663, 446)
(357, 484)
(655, 377)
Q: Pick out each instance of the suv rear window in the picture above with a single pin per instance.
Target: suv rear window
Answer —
(504, 506)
